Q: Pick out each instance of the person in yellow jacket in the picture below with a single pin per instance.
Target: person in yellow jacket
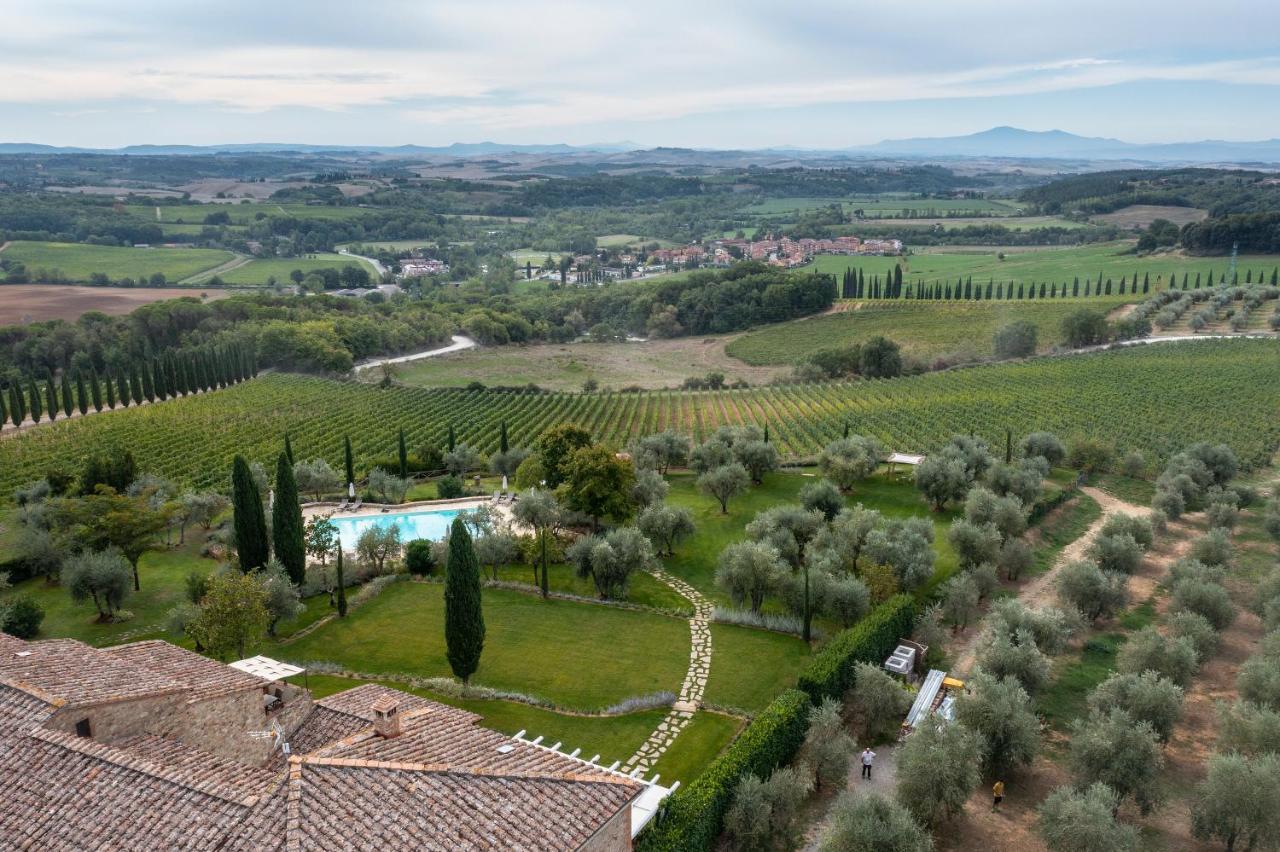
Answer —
(997, 792)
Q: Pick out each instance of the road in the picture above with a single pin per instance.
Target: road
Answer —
(377, 266)
(459, 343)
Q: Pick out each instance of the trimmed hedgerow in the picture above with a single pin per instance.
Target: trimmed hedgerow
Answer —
(693, 816)
(829, 673)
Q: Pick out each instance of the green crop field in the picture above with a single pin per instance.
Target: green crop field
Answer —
(876, 207)
(75, 262)
(259, 271)
(1155, 398)
(925, 329)
(1110, 260)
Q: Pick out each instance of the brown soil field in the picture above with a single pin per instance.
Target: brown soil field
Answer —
(1142, 215)
(23, 303)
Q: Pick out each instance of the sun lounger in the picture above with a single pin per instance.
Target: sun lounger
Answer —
(343, 504)
(356, 505)
(495, 497)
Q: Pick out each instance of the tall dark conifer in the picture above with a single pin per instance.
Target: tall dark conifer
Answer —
(34, 393)
(453, 439)
(402, 454)
(342, 586)
(288, 448)
(82, 393)
(347, 459)
(463, 612)
(64, 387)
(502, 437)
(51, 397)
(248, 519)
(287, 531)
(111, 394)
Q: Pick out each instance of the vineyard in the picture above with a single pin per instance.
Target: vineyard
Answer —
(923, 329)
(1155, 398)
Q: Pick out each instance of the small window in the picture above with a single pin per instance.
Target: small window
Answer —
(83, 729)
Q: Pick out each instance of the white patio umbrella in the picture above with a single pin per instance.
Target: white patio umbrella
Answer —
(351, 489)
(504, 482)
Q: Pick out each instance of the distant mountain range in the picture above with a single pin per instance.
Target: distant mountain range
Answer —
(1014, 142)
(998, 142)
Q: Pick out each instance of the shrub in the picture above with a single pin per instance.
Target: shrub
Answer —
(938, 767)
(1090, 455)
(762, 816)
(1196, 629)
(1139, 529)
(692, 817)
(1094, 593)
(827, 745)
(21, 617)
(419, 558)
(1213, 548)
(1045, 445)
(1015, 558)
(1016, 340)
(1238, 801)
(999, 711)
(1118, 553)
(830, 672)
(449, 487)
(1247, 728)
(1018, 658)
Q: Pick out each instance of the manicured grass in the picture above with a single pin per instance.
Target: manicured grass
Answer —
(750, 667)
(1062, 527)
(259, 271)
(1127, 488)
(74, 262)
(612, 737)
(696, 558)
(644, 589)
(924, 329)
(1067, 696)
(578, 655)
(699, 743)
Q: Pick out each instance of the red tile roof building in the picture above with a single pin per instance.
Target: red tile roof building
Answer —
(149, 746)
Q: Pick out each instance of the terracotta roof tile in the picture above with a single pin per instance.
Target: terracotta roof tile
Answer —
(205, 678)
(78, 674)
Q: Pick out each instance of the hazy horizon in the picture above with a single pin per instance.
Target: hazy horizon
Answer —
(820, 75)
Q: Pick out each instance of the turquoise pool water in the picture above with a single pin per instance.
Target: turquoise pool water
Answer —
(428, 523)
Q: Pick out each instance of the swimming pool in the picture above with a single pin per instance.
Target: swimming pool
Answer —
(428, 523)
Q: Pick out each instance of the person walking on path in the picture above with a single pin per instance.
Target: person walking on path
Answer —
(868, 757)
(997, 794)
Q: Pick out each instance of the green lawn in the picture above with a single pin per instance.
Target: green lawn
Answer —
(1062, 527)
(259, 271)
(1127, 488)
(577, 655)
(703, 738)
(750, 667)
(924, 329)
(74, 262)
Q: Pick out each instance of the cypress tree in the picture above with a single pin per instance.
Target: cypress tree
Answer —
(34, 393)
(342, 588)
(139, 390)
(1008, 446)
(4, 410)
(403, 454)
(249, 521)
(502, 437)
(766, 432)
(148, 385)
(111, 395)
(17, 410)
(1275, 275)
(1146, 282)
(82, 393)
(288, 448)
(68, 403)
(123, 387)
(453, 439)
(1086, 286)
(1108, 290)
(286, 523)
(348, 460)
(463, 614)
(51, 397)
(846, 429)
(158, 380)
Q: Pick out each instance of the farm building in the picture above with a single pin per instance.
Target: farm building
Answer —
(149, 746)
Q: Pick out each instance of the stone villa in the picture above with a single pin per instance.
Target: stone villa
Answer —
(148, 746)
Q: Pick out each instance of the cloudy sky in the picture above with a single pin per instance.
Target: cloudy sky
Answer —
(742, 73)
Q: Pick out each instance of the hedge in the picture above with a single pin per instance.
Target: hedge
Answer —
(829, 673)
(693, 816)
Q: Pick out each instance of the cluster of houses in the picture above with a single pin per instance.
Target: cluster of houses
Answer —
(420, 267)
(784, 252)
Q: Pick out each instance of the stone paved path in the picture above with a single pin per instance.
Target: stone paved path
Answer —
(695, 680)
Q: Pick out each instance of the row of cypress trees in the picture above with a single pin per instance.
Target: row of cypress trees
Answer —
(171, 374)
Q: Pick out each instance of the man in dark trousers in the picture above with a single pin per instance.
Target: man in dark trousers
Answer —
(868, 757)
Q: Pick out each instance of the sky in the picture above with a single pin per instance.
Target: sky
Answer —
(697, 73)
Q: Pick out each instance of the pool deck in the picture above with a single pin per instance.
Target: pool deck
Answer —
(330, 509)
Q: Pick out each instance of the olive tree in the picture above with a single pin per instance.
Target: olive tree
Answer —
(610, 559)
(870, 822)
(1119, 553)
(850, 459)
(757, 458)
(1094, 593)
(822, 496)
(665, 525)
(942, 478)
(724, 483)
(316, 477)
(1018, 657)
(938, 767)
(1205, 599)
(879, 699)
(827, 745)
(1146, 697)
(974, 544)
(1000, 712)
(1248, 728)
(1084, 820)
(1150, 650)
(983, 506)
(1239, 802)
(1114, 749)
(1045, 445)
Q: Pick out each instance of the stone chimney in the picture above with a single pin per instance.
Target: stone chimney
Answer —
(386, 717)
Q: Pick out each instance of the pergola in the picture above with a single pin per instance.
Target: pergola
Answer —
(267, 668)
